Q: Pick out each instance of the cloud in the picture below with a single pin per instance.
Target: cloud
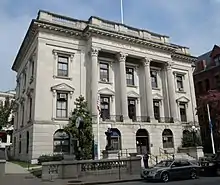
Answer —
(190, 23)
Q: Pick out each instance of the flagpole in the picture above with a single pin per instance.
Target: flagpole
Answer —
(210, 125)
(122, 13)
(98, 134)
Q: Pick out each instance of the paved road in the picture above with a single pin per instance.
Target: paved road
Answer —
(200, 181)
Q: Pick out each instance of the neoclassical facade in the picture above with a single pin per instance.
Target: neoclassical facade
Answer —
(143, 82)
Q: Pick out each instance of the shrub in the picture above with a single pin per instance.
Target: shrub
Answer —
(48, 158)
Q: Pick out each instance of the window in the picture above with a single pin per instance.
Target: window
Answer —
(132, 108)
(24, 82)
(200, 87)
(130, 76)
(23, 113)
(167, 136)
(27, 146)
(154, 79)
(104, 72)
(61, 142)
(30, 108)
(179, 81)
(217, 59)
(62, 99)
(105, 107)
(185, 163)
(217, 81)
(182, 107)
(19, 144)
(116, 139)
(3, 136)
(62, 66)
(156, 104)
(207, 85)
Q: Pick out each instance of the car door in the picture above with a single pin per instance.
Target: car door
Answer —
(175, 170)
(185, 168)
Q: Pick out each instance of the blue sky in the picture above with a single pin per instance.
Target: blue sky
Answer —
(192, 23)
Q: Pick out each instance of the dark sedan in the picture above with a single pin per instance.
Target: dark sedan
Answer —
(171, 169)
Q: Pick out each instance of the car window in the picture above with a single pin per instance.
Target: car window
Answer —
(177, 164)
(185, 163)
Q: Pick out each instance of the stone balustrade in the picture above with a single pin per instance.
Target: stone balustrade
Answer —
(86, 168)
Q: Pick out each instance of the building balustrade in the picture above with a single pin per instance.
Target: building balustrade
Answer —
(165, 120)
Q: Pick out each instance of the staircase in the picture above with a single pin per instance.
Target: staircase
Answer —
(184, 156)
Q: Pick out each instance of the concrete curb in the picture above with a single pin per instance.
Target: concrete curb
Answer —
(105, 182)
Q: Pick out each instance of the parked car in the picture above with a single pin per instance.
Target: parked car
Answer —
(171, 169)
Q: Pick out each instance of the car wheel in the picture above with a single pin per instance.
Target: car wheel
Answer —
(193, 174)
(165, 177)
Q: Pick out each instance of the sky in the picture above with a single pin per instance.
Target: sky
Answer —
(191, 23)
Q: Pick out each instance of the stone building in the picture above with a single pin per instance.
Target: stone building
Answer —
(145, 85)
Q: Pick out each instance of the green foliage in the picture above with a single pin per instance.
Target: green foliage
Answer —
(5, 111)
(48, 158)
(84, 136)
(189, 140)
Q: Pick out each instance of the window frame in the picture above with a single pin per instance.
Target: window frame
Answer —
(101, 62)
(185, 109)
(62, 62)
(181, 82)
(156, 101)
(155, 77)
(130, 81)
(102, 102)
(62, 100)
(129, 100)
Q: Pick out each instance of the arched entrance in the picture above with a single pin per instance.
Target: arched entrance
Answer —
(167, 136)
(142, 141)
(61, 142)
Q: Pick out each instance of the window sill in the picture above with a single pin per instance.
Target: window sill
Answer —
(133, 86)
(156, 88)
(61, 119)
(183, 92)
(62, 77)
(102, 82)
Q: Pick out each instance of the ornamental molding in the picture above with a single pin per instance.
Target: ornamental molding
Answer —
(63, 87)
(133, 94)
(157, 96)
(183, 99)
(106, 91)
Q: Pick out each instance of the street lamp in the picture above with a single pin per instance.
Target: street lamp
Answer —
(194, 131)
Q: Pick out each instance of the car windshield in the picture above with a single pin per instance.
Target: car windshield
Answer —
(164, 164)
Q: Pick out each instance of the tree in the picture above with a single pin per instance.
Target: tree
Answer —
(212, 98)
(5, 112)
(84, 135)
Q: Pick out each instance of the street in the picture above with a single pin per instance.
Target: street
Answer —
(200, 181)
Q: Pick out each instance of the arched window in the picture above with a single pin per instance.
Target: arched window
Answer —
(142, 141)
(27, 144)
(61, 142)
(167, 136)
(116, 139)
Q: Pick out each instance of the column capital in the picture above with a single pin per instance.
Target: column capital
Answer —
(169, 65)
(94, 51)
(122, 56)
(147, 61)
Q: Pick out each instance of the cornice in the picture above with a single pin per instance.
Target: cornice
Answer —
(184, 57)
(92, 30)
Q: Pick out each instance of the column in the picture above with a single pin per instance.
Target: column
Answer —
(171, 91)
(148, 88)
(94, 79)
(123, 87)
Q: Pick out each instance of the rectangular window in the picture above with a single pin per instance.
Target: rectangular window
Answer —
(132, 108)
(22, 118)
(32, 68)
(24, 82)
(154, 79)
(62, 99)
(130, 76)
(105, 107)
(182, 107)
(104, 72)
(207, 85)
(179, 81)
(30, 108)
(156, 104)
(62, 69)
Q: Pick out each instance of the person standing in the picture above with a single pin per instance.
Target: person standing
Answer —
(145, 159)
